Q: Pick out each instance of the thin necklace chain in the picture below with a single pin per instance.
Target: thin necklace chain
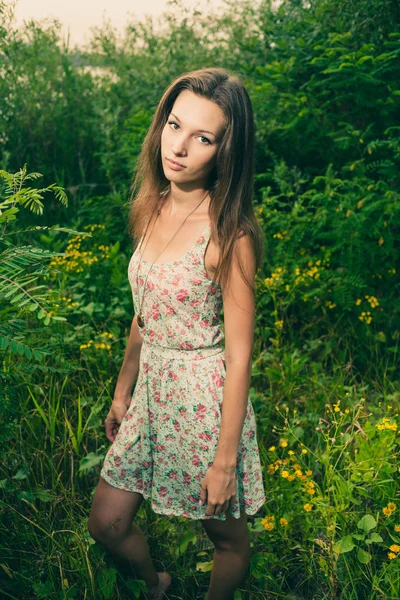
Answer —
(140, 316)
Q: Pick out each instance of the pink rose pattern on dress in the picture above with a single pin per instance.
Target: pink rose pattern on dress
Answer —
(168, 437)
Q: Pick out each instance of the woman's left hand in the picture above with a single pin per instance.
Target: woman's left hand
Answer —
(218, 488)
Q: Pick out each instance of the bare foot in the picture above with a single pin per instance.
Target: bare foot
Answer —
(164, 581)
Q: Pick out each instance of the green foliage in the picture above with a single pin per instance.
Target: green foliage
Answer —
(21, 294)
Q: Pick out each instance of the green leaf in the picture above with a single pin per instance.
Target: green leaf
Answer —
(204, 566)
(22, 473)
(90, 460)
(375, 537)
(363, 556)
(359, 536)
(43, 590)
(367, 523)
(136, 586)
(106, 581)
(346, 544)
(188, 537)
(44, 495)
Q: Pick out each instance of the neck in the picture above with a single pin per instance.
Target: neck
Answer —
(180, 202)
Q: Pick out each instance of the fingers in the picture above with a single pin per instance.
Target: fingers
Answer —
(217, 509)
(225, 506)
(111, 429)
(203, 495)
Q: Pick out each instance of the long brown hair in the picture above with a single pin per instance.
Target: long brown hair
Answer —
(230, 183)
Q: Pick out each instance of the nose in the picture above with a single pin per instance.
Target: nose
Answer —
(179, 148)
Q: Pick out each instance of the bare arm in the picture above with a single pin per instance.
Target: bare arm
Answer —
(130, 366)
(239, 312)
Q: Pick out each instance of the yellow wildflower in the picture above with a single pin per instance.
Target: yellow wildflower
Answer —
(397, 528)
(283, 443)
(284, 522)
(285, 474)
(394, 548)
(391, 506)
(290, 452)
(304, 451)
(272, 449)
(308, 507)
(268, 522)
(391, 555)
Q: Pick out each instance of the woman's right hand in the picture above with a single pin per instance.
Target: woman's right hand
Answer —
(113, 420)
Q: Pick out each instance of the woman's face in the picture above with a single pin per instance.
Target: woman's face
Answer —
(191, 137)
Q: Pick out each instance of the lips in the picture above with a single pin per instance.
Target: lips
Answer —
(175, 163)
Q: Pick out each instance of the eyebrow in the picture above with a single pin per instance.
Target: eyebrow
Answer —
(200, 130)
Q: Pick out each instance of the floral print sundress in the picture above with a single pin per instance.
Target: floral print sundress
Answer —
(168, 437)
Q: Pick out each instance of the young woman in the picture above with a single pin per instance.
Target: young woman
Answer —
(186, 439)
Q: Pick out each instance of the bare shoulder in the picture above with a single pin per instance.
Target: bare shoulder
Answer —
(243, 254)
(243, 259)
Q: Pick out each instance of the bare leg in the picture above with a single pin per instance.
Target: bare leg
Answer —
(111, 525)
(231, 555)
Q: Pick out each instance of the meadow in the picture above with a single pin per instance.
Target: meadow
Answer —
(323, 77)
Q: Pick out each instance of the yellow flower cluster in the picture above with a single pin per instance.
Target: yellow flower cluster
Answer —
(283, 466)
(386, 424)
(276, 278)
(94, 226)
(71, 304)
(394, 550)
(280, 235)
(373, 301)
(330, 304)
(99, 345)
(75, 258)
(336, 407)
(268, 522)
(366, 317)
(310, 485)
(389, 509)
(313, 271)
